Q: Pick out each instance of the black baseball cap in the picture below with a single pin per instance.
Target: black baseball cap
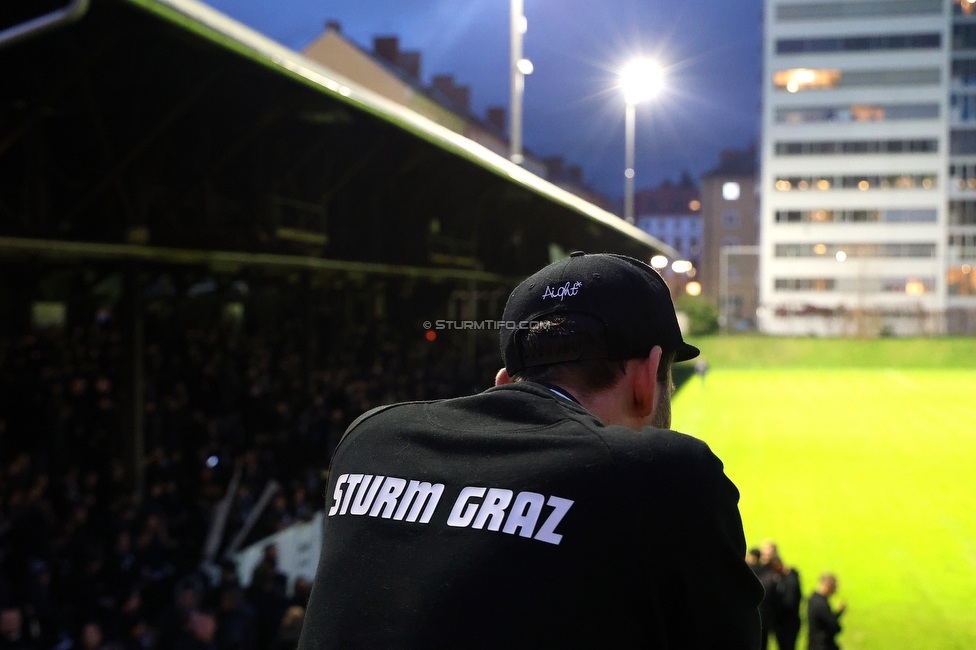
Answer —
(629, 297)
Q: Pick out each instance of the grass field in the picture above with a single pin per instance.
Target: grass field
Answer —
(868, 471)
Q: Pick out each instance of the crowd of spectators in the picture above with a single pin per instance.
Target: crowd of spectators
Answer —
(780, 607)
(85, 563)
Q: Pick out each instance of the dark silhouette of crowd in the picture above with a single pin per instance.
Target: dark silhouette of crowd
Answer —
(86, 564)
(780, 608)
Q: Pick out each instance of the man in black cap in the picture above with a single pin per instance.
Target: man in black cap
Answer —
(554, 510)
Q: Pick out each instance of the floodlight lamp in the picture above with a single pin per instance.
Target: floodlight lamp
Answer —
(525, 66)
(641, 79)
(681, 266)
(523, 24)
(731, 191)
(659, 262)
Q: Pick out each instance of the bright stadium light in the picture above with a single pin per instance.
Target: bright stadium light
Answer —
(681, 266)
(640, 80)
(525, 66)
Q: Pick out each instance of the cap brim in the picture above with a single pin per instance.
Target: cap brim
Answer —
(686, 352)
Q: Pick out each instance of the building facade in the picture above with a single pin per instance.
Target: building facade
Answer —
(672, 214)
(729, 271)
(868, 217)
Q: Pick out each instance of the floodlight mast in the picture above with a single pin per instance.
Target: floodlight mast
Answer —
(518, 68)
(640, 80)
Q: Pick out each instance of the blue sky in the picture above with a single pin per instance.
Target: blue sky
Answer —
(712, 52)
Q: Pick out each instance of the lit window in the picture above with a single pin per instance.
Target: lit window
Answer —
(798, 79)
(965, 6)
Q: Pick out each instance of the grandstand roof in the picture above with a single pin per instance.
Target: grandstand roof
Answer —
(161, 126)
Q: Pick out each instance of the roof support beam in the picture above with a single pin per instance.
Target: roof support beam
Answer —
(12, 247)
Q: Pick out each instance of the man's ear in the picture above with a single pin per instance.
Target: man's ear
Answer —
(502, 378)
(645, 381)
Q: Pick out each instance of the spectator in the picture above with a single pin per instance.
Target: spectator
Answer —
(824, 622)
(91, 636)
(237, 629)
(290, 630)
(76, 548)
(786, 625)
(12, 629)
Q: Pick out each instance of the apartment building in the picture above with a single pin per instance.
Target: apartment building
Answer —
(868, 217)
(730, 217)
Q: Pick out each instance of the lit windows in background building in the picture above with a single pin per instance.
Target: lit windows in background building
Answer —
(890, 182)
(857, 113)
(963, 106)
(887, 250)
(805, 284)
(963, 177)
(874, 43)
(731, 191)
(962, 213)
(789, 12)
(962, 247)
(856, 216)
(797, 79)
(830, 147)
(910, 286)
(962, 280)
(963, 7)
(913, 286)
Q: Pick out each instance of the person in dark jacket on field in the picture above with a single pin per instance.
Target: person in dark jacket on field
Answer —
(786, 627)
(824, 622)
(554, 510)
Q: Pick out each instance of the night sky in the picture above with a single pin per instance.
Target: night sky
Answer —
(711, 50)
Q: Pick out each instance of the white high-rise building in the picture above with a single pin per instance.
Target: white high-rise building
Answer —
(868, 216)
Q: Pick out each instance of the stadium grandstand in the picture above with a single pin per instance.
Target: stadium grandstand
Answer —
(214, 255)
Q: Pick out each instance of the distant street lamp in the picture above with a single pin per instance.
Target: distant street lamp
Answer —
(681, 266)
(641, 80)
(518, 68)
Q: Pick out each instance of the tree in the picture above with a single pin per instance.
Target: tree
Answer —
(701, 312)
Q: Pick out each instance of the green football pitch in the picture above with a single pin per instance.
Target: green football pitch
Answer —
(857, 458)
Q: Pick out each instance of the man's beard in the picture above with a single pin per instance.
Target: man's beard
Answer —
(661, 416)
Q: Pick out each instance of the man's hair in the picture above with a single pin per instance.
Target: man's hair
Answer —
(551, 337)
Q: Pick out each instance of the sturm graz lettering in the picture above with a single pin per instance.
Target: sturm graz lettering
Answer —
(477, 508)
